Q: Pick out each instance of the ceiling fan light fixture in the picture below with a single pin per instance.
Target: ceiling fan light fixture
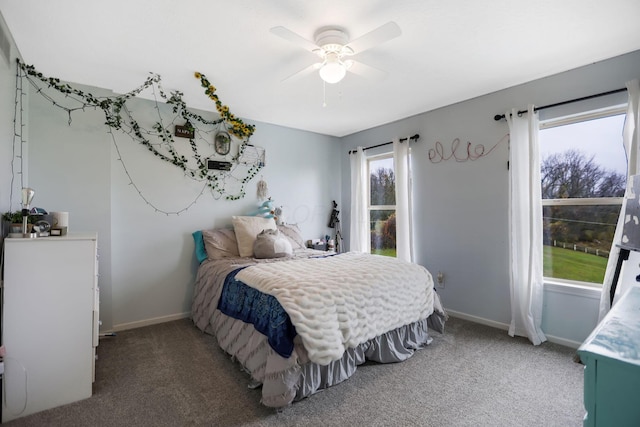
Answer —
(333, 70)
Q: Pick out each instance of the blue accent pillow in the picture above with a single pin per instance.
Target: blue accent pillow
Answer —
(201, 252)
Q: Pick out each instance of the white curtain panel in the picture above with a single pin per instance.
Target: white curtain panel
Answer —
(631, 141)
(359, 185)
(402, 166)
(525, 226)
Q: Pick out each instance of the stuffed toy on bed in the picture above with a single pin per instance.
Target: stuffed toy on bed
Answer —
(265, 210)
(271, 244)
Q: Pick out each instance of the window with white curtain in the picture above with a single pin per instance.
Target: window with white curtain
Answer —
(381, 205)
(583, 173)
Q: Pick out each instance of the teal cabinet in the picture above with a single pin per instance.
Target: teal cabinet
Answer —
(611, 355)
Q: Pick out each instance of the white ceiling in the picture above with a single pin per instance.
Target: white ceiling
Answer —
(449, 51)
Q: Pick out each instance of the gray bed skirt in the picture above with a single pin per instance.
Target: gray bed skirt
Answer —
(394, 346)
(285, 380)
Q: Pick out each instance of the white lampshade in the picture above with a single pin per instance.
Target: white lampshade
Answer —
(332, 72)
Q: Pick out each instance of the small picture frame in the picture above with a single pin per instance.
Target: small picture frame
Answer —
(58, 231)
(222, 143)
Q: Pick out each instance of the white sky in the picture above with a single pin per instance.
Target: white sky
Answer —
(600, 137)
(382, 163)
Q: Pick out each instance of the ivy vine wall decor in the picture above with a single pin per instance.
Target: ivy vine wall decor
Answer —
(229, 178)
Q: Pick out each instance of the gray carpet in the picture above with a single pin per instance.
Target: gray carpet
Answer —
(473, 375)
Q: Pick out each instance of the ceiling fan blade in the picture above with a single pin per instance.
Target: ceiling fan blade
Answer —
(367, 71)
(382, 34)
(294, 38)
(304, 72)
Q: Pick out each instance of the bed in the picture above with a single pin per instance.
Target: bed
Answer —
(302, 320)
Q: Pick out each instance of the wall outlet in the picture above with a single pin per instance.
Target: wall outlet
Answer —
(440, 279)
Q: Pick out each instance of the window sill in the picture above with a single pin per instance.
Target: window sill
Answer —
(561, 287)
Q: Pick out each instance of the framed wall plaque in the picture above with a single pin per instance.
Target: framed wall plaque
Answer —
(184, 131)
(222, 143)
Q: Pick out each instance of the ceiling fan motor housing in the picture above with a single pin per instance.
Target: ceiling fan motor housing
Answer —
(332, 39)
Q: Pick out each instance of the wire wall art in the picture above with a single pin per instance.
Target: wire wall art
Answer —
(227, 180)
(461, 152)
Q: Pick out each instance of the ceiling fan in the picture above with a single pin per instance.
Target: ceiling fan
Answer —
(333, 47)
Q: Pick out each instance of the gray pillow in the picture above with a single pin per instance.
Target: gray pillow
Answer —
(292, 232)
(271, 244)
(220, 243)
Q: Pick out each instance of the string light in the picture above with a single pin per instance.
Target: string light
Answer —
(135, 186)
(18, 121)
(159, 139)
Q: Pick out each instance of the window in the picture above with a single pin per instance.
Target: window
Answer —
(382, 205)
(583, 170)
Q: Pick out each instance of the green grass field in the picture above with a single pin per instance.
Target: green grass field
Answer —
(573, 265)
(386, 252)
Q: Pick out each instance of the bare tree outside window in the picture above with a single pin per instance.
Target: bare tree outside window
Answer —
(582, 191)
(382, 209)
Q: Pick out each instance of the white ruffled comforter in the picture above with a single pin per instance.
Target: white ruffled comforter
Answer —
(344, 300)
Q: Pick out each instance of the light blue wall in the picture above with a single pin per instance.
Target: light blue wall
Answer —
(153, 263)
(147, 263)
(460, 207)
(7, 112)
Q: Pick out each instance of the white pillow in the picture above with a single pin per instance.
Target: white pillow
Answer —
(247, 228)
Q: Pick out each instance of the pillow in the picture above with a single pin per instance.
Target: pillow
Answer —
(271, 244)
(201, 252)
(247, 228)
(220, 243)
(293, 234)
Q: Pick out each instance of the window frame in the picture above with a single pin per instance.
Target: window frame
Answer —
(594, 201)
(371, 207)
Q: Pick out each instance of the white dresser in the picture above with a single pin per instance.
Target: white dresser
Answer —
(49, 322)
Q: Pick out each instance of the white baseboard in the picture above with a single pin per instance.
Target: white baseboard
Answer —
(477, 319)
(563, 341)
(149, 322)
(505, 327)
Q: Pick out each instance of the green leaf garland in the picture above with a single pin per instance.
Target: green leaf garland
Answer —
(117, 116)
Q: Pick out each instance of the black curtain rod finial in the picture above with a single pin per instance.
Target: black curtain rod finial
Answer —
(414, 137)
(498, 117)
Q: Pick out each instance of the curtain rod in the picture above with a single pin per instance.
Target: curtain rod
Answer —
(414, 137)
(557, 104)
